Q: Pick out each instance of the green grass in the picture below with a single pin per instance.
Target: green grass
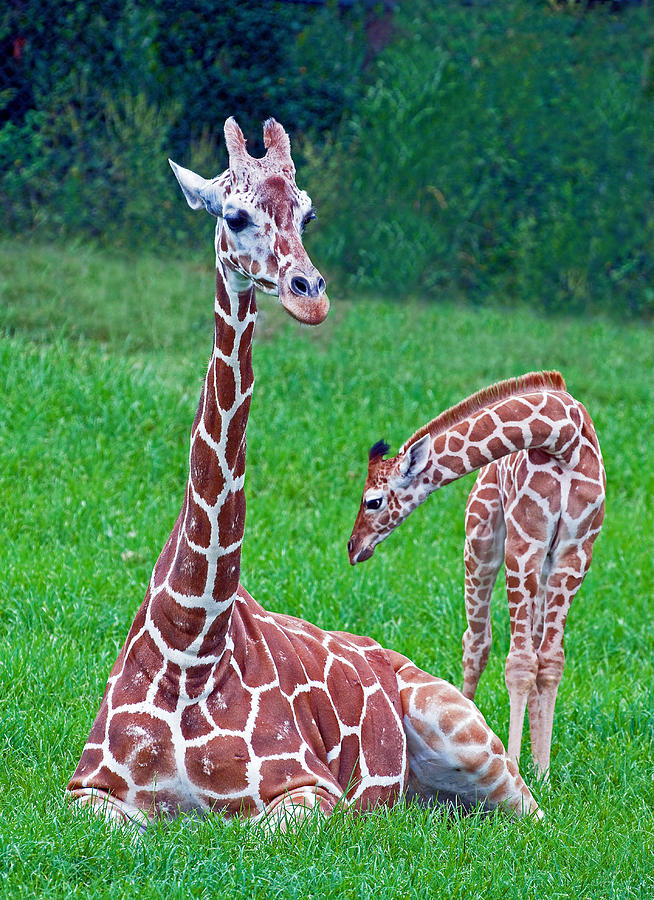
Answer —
(101, 364)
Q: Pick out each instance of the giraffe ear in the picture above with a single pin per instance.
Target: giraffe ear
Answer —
(278, 146)
(198, 191)
(415, 457)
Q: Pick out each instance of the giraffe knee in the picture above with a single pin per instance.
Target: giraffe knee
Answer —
(521, 672)
(550, 669)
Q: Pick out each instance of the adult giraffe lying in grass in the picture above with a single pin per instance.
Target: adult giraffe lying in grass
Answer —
(215, 703)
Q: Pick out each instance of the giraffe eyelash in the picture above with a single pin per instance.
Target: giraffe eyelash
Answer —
(308, 218)
(238, 220)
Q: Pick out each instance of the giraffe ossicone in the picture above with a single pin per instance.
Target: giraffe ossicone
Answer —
(537, 504)
(214, 703)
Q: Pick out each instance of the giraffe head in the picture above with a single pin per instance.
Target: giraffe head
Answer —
(393, 489)
(261, 215)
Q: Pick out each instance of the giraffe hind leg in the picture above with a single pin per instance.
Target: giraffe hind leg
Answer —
(483, 555)
(566, 573)
(453, 755)
(524, 561)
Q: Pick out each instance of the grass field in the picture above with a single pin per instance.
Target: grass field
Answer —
(101, 364)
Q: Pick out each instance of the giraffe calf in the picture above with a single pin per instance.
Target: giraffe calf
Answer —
(537, 504)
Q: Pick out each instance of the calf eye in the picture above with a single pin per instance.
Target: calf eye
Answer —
(238, 220)
(374, 503)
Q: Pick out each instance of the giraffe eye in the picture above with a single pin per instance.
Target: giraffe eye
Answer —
(374, 503)
(308, 218)
(238, 220)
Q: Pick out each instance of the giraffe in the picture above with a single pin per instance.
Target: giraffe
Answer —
(537, 503)
(214, 703)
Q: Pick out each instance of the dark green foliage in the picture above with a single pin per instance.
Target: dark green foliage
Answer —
(113, 89)
(501, 148)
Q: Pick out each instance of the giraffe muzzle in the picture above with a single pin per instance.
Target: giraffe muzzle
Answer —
(358, 554)
(302, 294)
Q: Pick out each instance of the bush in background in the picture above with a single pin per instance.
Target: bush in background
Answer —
(94, 98)
(504, 149)
(499, 149)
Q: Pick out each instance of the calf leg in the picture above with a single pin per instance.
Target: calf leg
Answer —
(483, 554)
(568, 569)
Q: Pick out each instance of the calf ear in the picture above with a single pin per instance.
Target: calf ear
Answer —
(198, 191)
(415, 457)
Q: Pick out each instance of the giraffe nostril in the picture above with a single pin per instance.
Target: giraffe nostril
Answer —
(321, 285)
(350, 545)
(300, 286)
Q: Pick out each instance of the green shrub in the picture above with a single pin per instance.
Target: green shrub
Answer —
(100, 94)
(500, 149)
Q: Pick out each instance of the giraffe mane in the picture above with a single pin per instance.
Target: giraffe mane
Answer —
(501, 390)
(378, 449)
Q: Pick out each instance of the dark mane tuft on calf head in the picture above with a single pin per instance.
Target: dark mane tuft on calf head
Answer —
(379, 449)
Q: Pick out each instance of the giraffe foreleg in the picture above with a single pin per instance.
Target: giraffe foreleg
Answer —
(290, 809)
(453, 755)
(483, 554)
(114, 810)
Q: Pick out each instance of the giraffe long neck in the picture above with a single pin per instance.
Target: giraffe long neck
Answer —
(196, 577)
(547, 420)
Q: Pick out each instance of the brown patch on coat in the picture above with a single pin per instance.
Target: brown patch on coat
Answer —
(497, 447)
(220, 765)
(225, 336)
(494, 771)
(225, 383)
(231, 525)
(236, 433)
(197, 679)
(345, 689)
(99, 726)
(167, 695)
(274, 730)
(143, 662)
(230, 705)
(178, 625)
(346, 766)
(144, 744)
(228, 572)
(472, 732)
(198, 527)
(206, 473)
(188, 575)
(453, 463)
(482, 428)
(253, 660)
(382, 738)
(245, 364)
(279, 776)
(319, 714)
(194, 723)
(165, 560)
(109, 781)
